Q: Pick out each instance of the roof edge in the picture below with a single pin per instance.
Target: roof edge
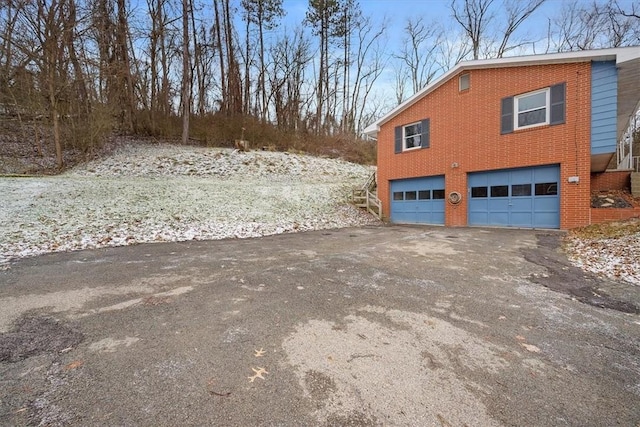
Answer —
(619, 54)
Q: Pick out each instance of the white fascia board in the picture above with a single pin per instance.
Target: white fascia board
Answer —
(371, 130)
(619, 54)
(628, 54)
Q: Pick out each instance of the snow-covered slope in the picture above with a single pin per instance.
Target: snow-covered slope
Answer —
(156, 193)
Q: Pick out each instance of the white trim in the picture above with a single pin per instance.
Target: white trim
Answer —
(404, 136)
(468, 76)
(547, 113)
(619, 54)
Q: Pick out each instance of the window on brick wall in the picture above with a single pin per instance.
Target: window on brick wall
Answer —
(538, 108)
(464, 82)
(532, 109)
(413, 136)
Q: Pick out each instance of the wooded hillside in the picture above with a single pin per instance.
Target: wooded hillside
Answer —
(75, 71)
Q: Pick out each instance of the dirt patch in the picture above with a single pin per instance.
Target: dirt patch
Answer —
(564, 278)
(32, 336)
(613, 199)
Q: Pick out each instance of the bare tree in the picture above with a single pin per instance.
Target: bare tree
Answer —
(50, 23)
(630, 13)
(594, 25)
(264, 14)
(517, 12)
(474, 16)
(452, 49)
(290, 57)
(490, 27)
(350, 21)
(122, 66)
(370, 62)
(234, 80)
(401, 79)
(203, 58)
(322, 16)
(219, 35)
(417, 53)
(624, 24)
(186, 72)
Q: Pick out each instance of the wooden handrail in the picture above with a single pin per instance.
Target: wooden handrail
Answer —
(365, 197)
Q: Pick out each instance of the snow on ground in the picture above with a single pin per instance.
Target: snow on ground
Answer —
(165, 193)
(617, 258)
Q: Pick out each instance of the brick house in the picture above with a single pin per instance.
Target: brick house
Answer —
(513, 142)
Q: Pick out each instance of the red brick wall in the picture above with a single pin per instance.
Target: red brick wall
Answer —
(465, 129)
(599, 215)
(611, 180)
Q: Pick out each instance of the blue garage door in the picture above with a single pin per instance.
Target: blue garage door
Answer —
(418, 200)
(527, 197)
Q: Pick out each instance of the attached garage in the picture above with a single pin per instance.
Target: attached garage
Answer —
(418, 200)
(525, 197)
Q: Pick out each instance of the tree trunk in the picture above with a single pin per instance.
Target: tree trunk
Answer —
(186, 72)
(247, 63)
(125, 88)
(263, 71)
(224, 101)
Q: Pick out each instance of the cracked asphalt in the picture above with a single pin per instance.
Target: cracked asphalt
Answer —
(383, 325)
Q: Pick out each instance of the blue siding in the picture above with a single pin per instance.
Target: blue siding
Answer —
(604, 107)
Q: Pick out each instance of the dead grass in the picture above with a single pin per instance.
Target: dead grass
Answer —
(29, 149)
(216, 130)
(609, 230)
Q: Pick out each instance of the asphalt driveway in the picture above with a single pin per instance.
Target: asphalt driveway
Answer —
(391, 325)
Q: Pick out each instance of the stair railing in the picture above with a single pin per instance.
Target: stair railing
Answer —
(365, 197)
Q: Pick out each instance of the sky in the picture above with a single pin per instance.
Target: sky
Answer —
(394, 13)
(399, 10)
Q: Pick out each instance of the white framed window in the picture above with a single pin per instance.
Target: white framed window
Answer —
(464, 82)
(412, 136)
(532, 109)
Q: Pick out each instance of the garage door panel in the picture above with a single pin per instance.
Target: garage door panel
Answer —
(524, 176)
(526, 197)
(546, 204)
(437, 213)
(417, 200)
(546, 220)
(519, 204)
(551, 173)
(521, 219)
(498, 178)
(498, 218)
(499, 206)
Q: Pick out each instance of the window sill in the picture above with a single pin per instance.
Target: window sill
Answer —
(408, 150)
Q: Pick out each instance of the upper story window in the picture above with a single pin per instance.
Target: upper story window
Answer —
(464, 82)
(412, 136)
(532, 109)
(541, 107)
